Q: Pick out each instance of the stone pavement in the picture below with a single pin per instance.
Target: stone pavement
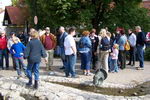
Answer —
(126, 78)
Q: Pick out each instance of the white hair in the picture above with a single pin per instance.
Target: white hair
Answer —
(61, 28)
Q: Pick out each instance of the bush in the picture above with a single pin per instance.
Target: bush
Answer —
(147, 54)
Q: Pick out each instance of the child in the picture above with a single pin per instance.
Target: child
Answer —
(17, 50)
(114, 58)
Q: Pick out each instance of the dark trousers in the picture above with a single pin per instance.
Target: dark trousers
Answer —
(94, 60)
(4, 54)
(122, 59)
(132, 55)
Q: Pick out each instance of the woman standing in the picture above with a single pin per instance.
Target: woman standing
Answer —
(33, 52)
(85, 51)
(104, 49)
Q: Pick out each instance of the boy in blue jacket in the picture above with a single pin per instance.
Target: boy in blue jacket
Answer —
(17, 50)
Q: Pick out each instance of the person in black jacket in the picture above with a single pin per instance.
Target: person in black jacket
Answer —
(141, 38)
(33, 52)
(95, 41)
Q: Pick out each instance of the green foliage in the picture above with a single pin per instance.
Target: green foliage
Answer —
(147, 54)
(14, 2)
(89, 13)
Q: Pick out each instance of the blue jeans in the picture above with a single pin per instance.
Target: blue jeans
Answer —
(114, 65)
(70, 68)
(33, 67)
(85, 61)
(63, 57)
(4, 53)
(19, 61)
(140, 54)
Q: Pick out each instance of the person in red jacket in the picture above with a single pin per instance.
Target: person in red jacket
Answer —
(3, 50)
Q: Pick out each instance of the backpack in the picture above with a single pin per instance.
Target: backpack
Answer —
(81, 44)
(127, 46)
(105, 44)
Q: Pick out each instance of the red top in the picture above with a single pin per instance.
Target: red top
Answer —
(48, 43)
(3, 43)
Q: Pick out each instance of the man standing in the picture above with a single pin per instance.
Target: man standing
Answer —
(49, 42)
(63, 35)
(140, 45)
(70, 52)
(3, 50)
(132, 42)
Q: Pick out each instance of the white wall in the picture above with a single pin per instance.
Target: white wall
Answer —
(3, 3)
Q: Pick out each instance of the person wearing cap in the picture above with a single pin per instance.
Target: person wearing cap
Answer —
(49, 42)
(17, 50)
(62, 37)
(3, 50)
(9, 45)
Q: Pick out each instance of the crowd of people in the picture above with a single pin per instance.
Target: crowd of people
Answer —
(104, 50)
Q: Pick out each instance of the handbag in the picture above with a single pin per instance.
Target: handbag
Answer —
(127, 46)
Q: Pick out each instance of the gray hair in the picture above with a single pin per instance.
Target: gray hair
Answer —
(138, 27)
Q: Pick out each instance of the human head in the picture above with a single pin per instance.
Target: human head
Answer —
(138, 29)
(72, 31)
(108, 34)
(85, 33)
(122, 31)
(61, 29)
(12, 34)
(93, 31)
(31, 30)
(129, 31)
(34, 34)
(103, 33)
(15, 40)
(2, 33)
(47, 29)
(115, 46)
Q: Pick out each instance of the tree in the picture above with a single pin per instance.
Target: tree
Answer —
(89, 13)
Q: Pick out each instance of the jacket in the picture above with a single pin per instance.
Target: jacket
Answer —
(53, 38)
(34, 51)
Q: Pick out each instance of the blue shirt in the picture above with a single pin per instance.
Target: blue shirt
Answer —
(121, 42)
(17, 49)
(87, 44)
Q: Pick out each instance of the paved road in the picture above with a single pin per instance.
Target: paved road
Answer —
(127, 76)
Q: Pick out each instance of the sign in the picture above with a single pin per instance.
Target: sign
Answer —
(35, 20)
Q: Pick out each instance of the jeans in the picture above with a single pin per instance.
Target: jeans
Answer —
(122, 59)
(50, 56)
(4, 53)
(33, 67)
(132, 55)
(19, 61)
(70, 68)
(140, 54)
(63, 57)
(114, 65)
(85, 61)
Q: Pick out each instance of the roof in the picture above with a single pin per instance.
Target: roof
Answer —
(146, 4)
(15, 15)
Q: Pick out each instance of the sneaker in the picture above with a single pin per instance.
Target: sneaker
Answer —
(19, 76)
(74, 76)
(89, 74)
(139, 68)
(62, 68)
(51, 73)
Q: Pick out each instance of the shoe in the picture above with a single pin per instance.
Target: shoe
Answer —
(62, 68)
(139, 68)
(89, 74)
(84, 73)
(129, 64)
(51, 73)
(19, 76)
(29, 83)
(74, 76)
(35, 84)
